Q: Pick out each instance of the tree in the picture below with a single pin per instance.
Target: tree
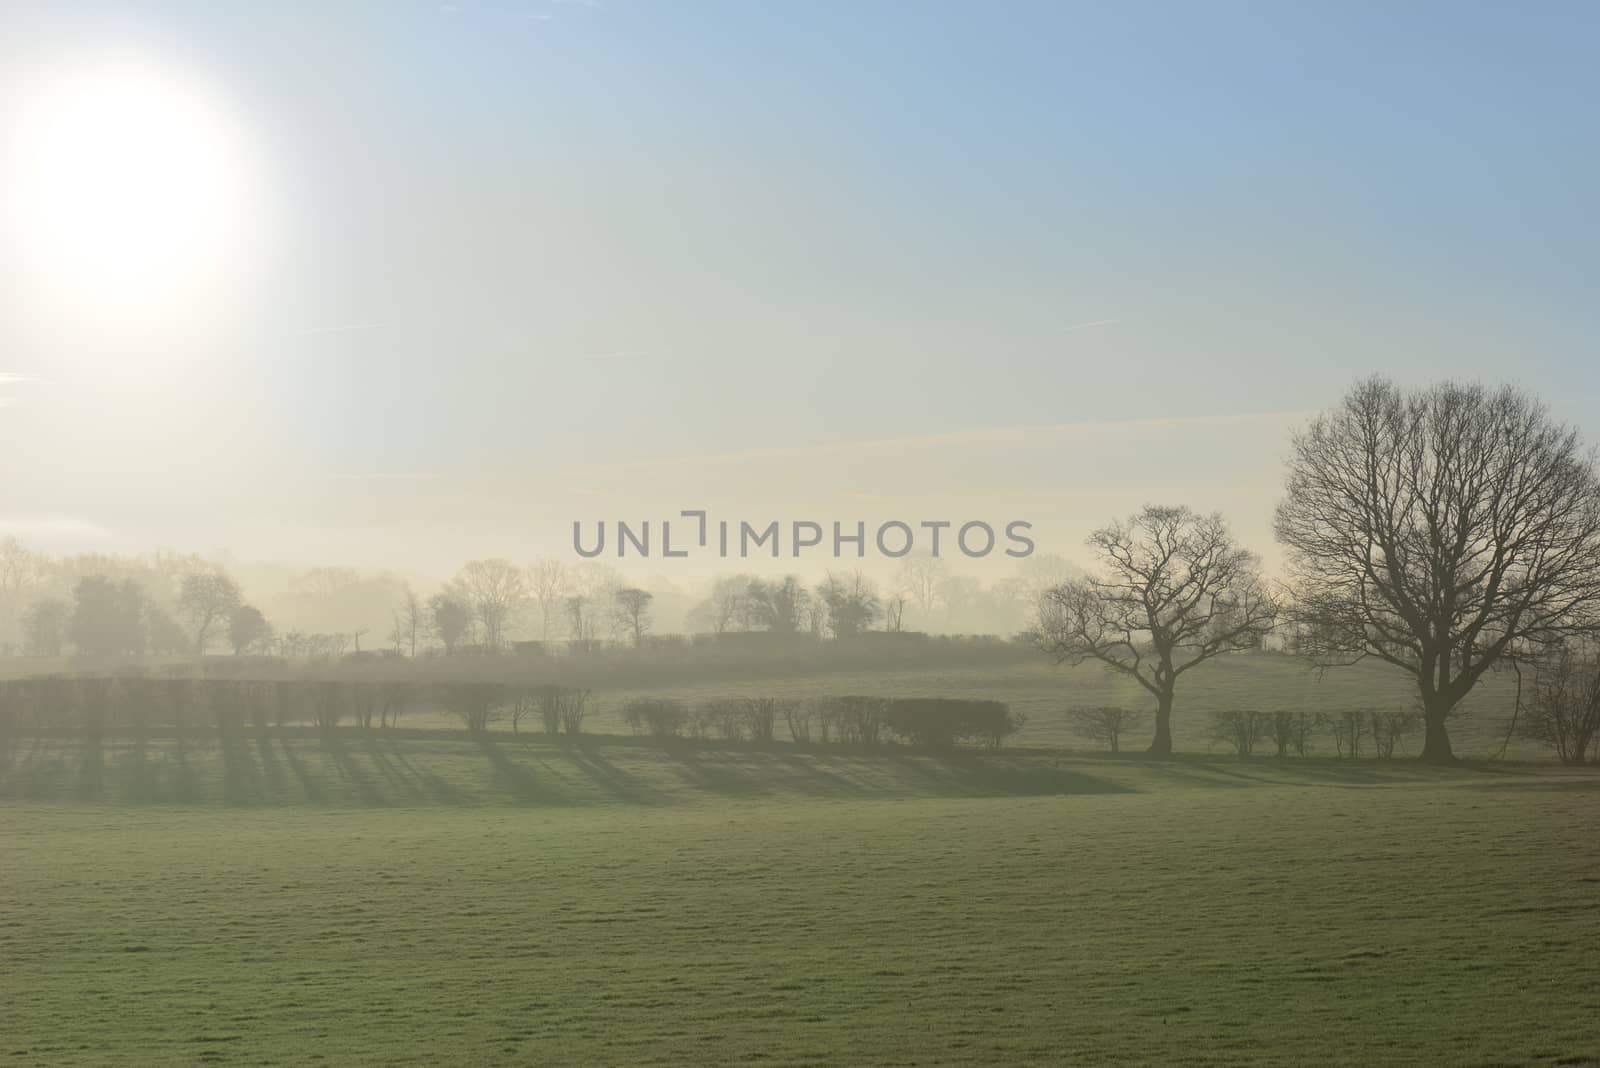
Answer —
(107, 617)
(633, 606)
(548, 582)
(578, 619)
(248, 628)
(1440, 530)
(1175, 591)
(728, 604)
(206, 600)
(44, 626)
(1104, 723)
(20, 569)
(779, 605)
(451, 620)
(1564, 703)
(919, 578)
(494, 591)
(410, 621)
(852, 603)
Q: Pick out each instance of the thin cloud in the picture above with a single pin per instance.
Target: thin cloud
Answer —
(1087, 325)
(994, 436)
(52, 527)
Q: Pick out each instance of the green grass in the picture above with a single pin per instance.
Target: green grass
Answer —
(440, 901)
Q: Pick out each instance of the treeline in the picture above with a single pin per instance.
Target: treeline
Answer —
(93, 705)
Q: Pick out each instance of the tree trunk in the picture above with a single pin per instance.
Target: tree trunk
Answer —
(1436, 740)
(1161, 744)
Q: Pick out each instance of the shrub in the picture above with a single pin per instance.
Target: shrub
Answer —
(659, 717)
(474, 703)
(1239, 728)
(942, 722)
(1388, 727)
(1291, 730)
(857, 720)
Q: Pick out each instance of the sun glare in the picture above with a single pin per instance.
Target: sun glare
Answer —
(130, 185)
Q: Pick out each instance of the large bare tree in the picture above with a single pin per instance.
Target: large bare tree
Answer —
(1440, 530)
(1174, 591)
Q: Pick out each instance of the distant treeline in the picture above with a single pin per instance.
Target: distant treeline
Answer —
(93, 705)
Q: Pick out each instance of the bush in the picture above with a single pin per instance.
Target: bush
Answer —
(474, 703)
(1239, 728)
(942, 722)
(658, 717)
(857, 720)
(1291, 730)
(1389, 727)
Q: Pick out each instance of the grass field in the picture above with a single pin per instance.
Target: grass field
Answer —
(428, 899)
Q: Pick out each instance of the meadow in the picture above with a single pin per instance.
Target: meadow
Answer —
(424, 898)
(265, 895)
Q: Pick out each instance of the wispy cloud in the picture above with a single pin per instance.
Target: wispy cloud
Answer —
(1012, 435)
(52, 527)
(1087, 325)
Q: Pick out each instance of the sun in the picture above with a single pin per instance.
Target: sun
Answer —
(130, 186)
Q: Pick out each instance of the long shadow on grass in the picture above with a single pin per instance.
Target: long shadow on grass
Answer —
(433, 787)
(516, 779)
(308, 785)
(351, 771)
(611, 780)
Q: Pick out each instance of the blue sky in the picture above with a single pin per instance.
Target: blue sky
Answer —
(520, 239)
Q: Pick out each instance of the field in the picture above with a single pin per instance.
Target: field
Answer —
(1027, 681)
(289, 898)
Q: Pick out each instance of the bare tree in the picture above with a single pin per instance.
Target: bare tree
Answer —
(919, 578)
(410, 622)
(494, 590)
(580, 621)
(548, 583)
(727, 604)
(894, 611)
(207, 600)
(1105, 724)
(1175, 592)
(633, 607)
(1442, 531)
(1564, 703)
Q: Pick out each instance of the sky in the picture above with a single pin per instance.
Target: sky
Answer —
(467, 272)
